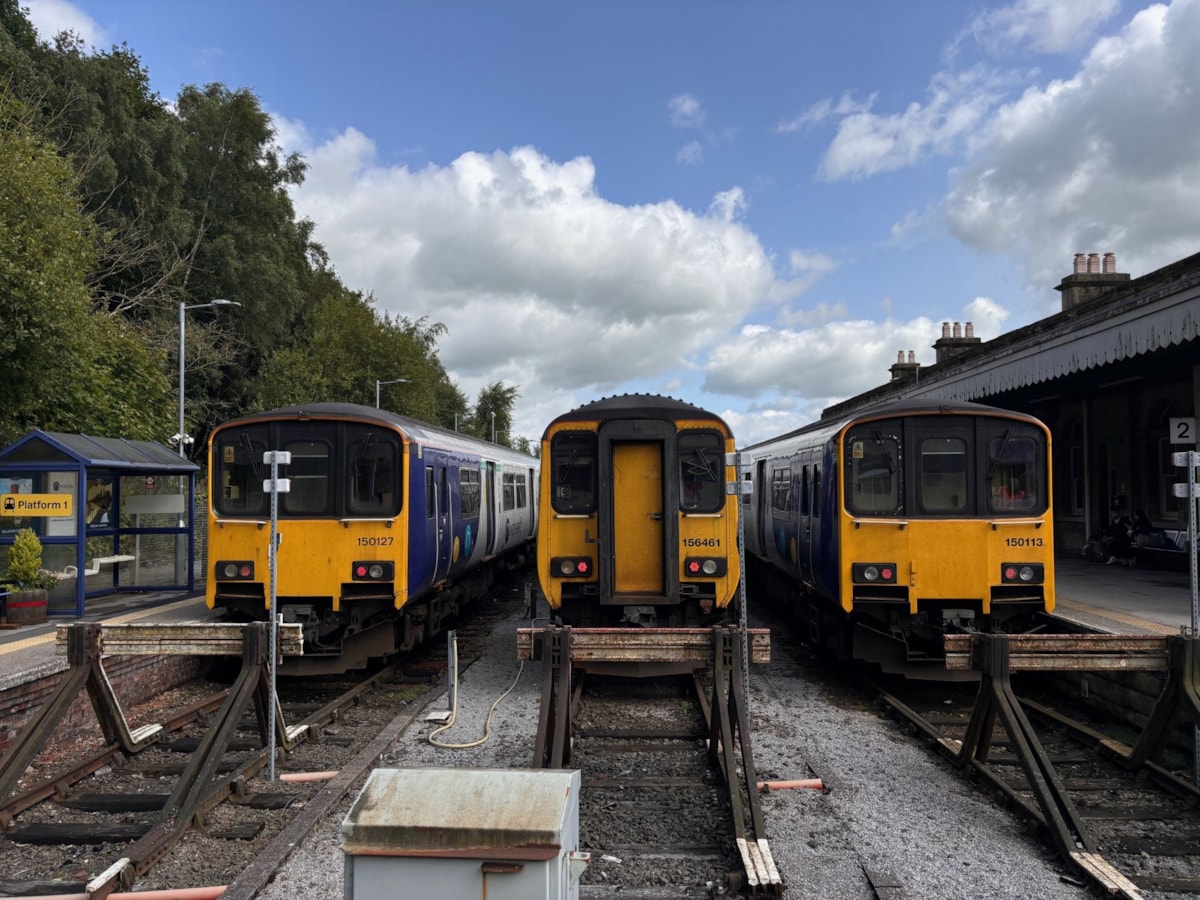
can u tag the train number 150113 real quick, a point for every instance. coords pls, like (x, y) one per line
(1023, 542)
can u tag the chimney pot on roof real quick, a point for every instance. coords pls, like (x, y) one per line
(1093, 265)
(1080, 263)
(912, 356)
(957, 330)
(970, 330)
(1110, 263)
(900, 357)
(945, 329)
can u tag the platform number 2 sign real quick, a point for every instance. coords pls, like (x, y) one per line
(1183, 431)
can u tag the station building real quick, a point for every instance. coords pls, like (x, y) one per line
(1115, 375)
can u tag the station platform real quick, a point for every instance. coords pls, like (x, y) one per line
(1112, 599)
(1121, 600)
(29, 652)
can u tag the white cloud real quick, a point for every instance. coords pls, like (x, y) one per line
(1046, 26)
(1105, 160)
(50, 17)
(540, 280)
(822, 110)
(867, 143)
(690, 154)
(686, 111)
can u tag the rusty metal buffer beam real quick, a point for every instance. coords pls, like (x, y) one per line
(184, 639)
(666, 645)
(1065, 652)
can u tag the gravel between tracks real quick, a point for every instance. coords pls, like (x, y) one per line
(892, 808)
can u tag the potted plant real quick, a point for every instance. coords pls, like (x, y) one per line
(26, 603)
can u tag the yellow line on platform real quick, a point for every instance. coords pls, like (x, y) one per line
(50, 636)
(1093, 612)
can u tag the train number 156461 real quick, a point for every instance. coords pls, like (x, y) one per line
(1023, 542)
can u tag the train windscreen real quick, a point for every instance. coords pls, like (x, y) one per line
(336, 470)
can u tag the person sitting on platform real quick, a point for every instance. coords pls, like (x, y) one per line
(1117, 540)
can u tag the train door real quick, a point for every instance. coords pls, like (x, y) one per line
(490, 504)
(637, 518)
(804, 534)
(445, 529)
(763, 509)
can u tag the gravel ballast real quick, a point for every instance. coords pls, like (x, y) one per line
(891, 807)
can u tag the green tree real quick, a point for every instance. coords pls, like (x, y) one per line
(61, 367)
(496, 400)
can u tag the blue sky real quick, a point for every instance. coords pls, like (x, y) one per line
(750, 206)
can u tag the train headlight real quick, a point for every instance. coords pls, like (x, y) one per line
(371, 570)
(709, 566)
(571, 566)
(234, 570)
(873, 573)
(1022, 573)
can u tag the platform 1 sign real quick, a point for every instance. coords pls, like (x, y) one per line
(36, 504)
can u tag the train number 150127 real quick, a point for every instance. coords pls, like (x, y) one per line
(375, 541)
(1023, 542)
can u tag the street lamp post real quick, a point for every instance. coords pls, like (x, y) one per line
(184, 548)
(379, 383)
(493, 428)
(182, 436)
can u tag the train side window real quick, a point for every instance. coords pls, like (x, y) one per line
(701, 471)
(805, 502)
(873, 480)
(943, 483)
(238, 456)
(573, 472)
(309, 474)
(1013, 481)
(430, 496)
(781, 491)
(816, 492)
(510, 491)
(373, 460)
(522, 491)
(468, 492)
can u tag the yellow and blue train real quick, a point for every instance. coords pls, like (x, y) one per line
(636, 528)
(389, 528)
(887, 529)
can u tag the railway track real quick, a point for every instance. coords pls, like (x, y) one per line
(669, 803)
(1129, 824)
(191, 804)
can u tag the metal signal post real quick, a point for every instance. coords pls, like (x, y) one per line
(275, 486)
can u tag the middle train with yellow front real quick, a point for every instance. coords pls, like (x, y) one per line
(636, 526)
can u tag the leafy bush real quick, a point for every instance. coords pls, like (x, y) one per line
(25, 563)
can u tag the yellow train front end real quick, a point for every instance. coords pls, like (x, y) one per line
(636, 526)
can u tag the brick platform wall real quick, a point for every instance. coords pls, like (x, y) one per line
(134, 679)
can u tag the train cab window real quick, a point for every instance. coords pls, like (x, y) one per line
(374, 466)
(943, 482)
(701, 471)
(1013, 464)
(872, 477)
(573, 472)
(237, 457)
(468, 492)
(309, 474)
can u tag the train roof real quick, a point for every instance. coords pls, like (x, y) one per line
(414, 429)
(636, 406)
(902, 407)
